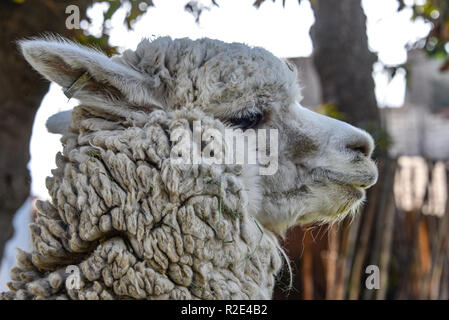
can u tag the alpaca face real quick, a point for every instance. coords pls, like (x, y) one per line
(324, 169)
(324, 165)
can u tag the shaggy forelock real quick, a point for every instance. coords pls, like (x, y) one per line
(214, 75)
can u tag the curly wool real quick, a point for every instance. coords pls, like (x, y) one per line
(138, 225)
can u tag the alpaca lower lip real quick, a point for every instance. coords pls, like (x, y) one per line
(356, 192)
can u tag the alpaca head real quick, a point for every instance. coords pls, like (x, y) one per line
(323, 165)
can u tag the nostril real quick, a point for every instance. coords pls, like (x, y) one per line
(360, 147)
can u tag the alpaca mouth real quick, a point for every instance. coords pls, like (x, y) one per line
(352, 191)
(353, 184)
(355, 192)
(358, 180)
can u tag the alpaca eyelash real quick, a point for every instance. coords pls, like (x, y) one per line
(247, 121)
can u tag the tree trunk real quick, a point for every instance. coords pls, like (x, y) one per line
(21, 92)
(343, 60)
(344, 65)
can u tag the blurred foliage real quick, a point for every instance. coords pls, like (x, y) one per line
(331, 110)
(135, 8)
(437, 13)
(196, 8)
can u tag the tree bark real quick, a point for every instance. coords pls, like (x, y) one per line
(21, 91)
(343, 60)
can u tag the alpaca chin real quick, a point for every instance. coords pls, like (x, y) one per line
(332, 204)
(319, 204)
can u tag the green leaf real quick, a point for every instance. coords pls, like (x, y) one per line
(330, 110)
(114, 5)
(136, 11)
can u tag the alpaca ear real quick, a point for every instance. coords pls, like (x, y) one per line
(87, 74)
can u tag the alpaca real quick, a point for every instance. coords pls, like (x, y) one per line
(134, 224)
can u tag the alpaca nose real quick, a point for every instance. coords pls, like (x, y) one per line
(362, 144)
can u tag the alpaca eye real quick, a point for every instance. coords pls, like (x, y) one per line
(247, 121)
